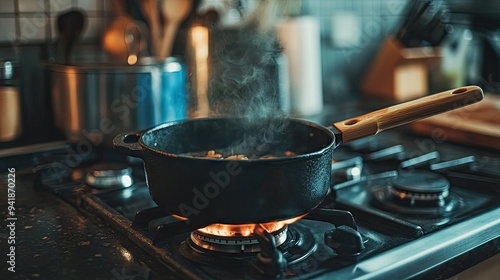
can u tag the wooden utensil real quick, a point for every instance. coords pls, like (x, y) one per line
(174, 12)
(69, 25)
(407, 112)
(125, 39)
(150, 12)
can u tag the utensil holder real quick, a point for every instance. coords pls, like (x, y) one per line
(399, 73)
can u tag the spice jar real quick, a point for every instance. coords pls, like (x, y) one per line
(10, 103)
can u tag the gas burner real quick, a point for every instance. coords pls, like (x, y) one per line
(234, 243)
(106, 175)
(421, 192)
(240, 238)
(421, 189)
(295, 242)
(346, 169)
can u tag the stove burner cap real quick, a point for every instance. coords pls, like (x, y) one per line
(106, 175)
(421, 188)
(422, 182)
(234, 244)
(295, 241)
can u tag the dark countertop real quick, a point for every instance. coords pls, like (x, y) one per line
(55, 241)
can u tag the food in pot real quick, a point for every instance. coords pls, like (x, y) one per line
(216, 155)
(213, 154)
(237, 157)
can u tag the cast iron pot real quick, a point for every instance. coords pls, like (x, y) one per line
(208, 191)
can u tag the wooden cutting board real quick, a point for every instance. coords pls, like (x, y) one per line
(477, 124)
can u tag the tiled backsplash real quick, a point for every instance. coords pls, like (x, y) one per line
(360, 27)
(351, 31)
(35, 21)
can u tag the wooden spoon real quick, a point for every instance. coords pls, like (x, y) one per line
(69, 25)
(150, 11)
(174, 12)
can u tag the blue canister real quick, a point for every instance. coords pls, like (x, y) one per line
(174, 88)
(164, 94)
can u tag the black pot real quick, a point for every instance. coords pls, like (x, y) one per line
(209, 191)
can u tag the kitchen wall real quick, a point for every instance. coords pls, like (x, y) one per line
(34, 21)
(28, 32)
(351, 32)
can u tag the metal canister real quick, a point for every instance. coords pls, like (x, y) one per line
(96, 101)
(10, 103)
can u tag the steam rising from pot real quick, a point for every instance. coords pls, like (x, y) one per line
(245, 84)
(244, 74)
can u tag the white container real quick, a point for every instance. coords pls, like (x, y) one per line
(300, 38)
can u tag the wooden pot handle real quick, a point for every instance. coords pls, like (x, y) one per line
(393, 116)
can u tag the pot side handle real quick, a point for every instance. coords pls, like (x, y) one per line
(393, 116)
(128, 143)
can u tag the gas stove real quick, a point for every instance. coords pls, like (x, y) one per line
(398, 207)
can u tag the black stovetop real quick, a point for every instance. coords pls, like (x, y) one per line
(404, 242)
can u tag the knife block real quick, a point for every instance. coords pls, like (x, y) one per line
(399, 73)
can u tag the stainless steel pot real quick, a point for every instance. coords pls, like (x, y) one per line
(95, 101)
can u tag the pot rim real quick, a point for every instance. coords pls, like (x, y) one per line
(317, 153)
(145, 64)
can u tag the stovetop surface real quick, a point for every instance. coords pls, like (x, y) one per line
(396, 246)
(321, 260)
(383, 158)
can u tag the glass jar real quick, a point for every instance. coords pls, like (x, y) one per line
(10, 102)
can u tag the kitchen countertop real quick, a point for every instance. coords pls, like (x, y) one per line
(55, 241)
